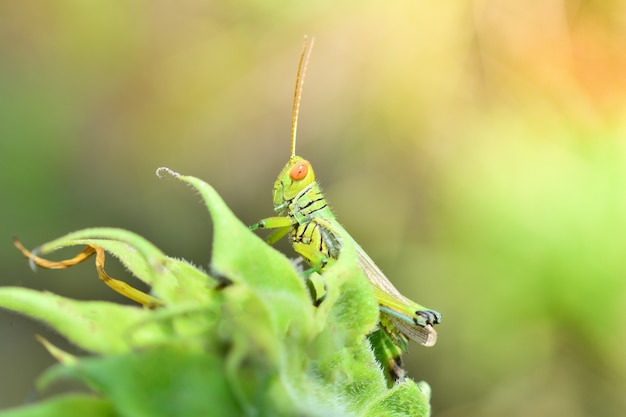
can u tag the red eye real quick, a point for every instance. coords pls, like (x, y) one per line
(299, 171)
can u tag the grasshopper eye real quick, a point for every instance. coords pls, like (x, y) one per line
(299, 171)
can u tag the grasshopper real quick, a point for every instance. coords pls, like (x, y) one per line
(317, 237)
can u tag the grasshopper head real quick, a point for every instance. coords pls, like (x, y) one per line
(295, 176)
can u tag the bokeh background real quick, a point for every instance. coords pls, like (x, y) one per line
(475, 149)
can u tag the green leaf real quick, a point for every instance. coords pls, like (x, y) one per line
(163, 381)
(172, 280)
(95, 326)
(253, 348)
(233, 244)
(65, 406)
(406, 399)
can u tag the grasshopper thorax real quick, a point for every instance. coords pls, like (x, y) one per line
(294, 177)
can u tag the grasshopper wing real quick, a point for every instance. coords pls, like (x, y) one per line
(409, 318)
(406, 319)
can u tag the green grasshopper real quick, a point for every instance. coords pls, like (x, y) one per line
(317, 237)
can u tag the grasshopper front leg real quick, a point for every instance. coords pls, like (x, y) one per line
(281, 225)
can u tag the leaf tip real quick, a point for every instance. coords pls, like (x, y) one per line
(31, 255)
(162, 171)
(58, 354)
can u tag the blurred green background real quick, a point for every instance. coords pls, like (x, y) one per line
(475, 149)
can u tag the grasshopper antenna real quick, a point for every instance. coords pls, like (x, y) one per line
(304, 62)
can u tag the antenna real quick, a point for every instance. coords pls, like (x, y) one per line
(297, 95)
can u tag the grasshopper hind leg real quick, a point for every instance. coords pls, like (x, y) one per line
(388, 355)
(317, 289)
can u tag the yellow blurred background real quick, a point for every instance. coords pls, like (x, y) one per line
(475, 149)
